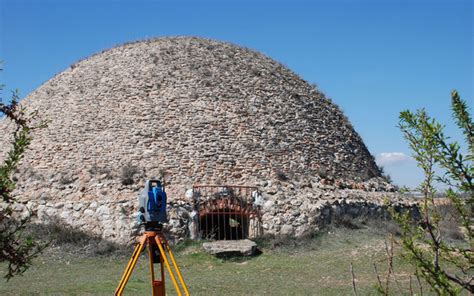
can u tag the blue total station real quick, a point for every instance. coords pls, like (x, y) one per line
(154, 202)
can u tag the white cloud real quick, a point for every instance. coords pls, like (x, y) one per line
(391, 158)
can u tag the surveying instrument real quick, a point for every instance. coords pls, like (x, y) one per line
(152, 213)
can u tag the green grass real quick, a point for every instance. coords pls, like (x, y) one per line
(316, 266)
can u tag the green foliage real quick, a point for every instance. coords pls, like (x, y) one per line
(312, 266)
(446, 267)
(385, 176)
(16, 248)
(127, 174)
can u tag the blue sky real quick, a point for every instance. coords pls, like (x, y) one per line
(373, 58)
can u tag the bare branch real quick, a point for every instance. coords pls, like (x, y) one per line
(353, 280)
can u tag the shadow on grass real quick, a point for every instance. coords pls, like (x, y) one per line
(237, 257)
(313, 240)
(64, 239)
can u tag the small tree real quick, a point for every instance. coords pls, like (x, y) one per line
(16, 248)
(447, 267)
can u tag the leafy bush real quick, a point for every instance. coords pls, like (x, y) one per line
(446, 267)
(72, 240)
(16, 248)
(281, 176)
(127, 174)
(322, 172)
(95, 170)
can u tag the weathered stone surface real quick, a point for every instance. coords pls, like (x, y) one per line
(203, 112)
(286, 230)
(224, 248)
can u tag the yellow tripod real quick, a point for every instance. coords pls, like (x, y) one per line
(155, 241)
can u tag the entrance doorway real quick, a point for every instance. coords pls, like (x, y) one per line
(227, 212)
(225, 224)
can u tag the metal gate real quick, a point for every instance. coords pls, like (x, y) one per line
(227, 212)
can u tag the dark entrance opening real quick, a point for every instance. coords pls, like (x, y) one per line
(225, 224)
(227, 212)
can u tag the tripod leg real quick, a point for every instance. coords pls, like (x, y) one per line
(165, 259)
(150, 258)
(162, 269)
(157, 287)
(176, 267)
(130, 266)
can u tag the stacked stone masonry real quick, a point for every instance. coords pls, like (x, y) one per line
(196, 111)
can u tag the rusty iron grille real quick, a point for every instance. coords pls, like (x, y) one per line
(227, 212)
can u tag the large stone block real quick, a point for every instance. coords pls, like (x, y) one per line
(223, 248)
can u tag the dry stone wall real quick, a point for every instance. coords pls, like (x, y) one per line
(288, 208)
(196, 111)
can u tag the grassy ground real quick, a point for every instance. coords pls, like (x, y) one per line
(315, 266)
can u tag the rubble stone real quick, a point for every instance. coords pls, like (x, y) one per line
(223, 248)
(197, 111)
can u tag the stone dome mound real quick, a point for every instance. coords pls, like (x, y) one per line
(196, 110)
(203, 111)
